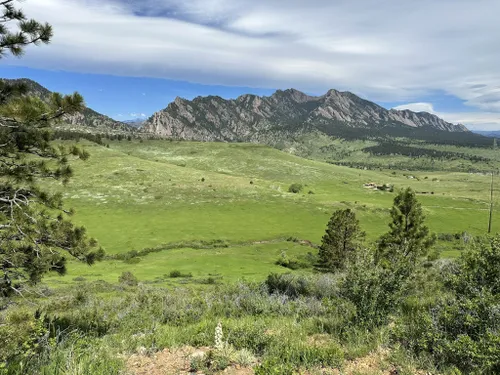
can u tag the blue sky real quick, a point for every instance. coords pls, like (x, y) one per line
(131, 58)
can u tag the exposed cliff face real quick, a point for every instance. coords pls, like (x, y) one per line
(86, 119)
(290, 112)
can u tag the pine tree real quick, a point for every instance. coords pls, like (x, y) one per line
(28, 31)
(408, 237)
(342, 238)
(35, 232)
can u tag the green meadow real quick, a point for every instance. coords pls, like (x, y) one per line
(151, 193)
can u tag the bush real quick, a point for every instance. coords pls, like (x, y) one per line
(128, 278)
(210, 363)
(246, 334)
(176, 274)
(374, 290)
(209, 280)
(293, 263)
(461, 329)
(295, 286)
(295, 188)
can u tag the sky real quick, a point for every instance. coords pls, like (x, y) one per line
(131, 58)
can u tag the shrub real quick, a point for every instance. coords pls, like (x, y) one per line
(176, 274)
(248, 335)
(292, 263)
(462, 329)
(128, 278)
(210, 363)
(295, 188)
(374, 290)
(244, 357)
(294, 286)
(209, 280)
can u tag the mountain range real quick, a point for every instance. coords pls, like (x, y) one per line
(285, 115)
(252, 118)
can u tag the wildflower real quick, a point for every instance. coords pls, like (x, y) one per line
(218, 336)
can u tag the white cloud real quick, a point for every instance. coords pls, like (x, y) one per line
(137, 115)
(417, 107)
(388, 51)
(473, 120)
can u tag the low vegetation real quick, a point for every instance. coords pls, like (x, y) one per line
(208, 273)
(435, 315)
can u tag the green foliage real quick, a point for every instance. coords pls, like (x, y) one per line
(15, 39)
(294, 286)
(478, 269)
(375, 291)
(34, 230)
(408, 238)
(128, 278)
(462, 328)
(291, 354)
(295, 188)
(24, 335)
(212, 362)
(341, 240)
(249, 335)
(78, 355)
(177, 274)
(295, 263)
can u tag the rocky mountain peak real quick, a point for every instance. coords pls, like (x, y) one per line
(286, 113)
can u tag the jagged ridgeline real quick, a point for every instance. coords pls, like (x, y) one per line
(282, 117)
(291, 113)
(87, 120)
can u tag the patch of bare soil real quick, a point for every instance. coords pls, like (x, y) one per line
(174, 362)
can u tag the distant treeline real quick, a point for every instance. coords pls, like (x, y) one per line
(396, 148)
(98, 138)
(427, 134)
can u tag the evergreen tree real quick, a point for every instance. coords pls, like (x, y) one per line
(13, 39)
(35, 233)
(408, 237)
(342, 238)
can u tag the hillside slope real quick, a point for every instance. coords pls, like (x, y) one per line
(88, 119)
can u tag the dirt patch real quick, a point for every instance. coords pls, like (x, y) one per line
(174, 362)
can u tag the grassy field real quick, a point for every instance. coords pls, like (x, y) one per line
(193, 234)
(135, 194)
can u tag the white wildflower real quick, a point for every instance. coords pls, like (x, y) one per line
(218, 337)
